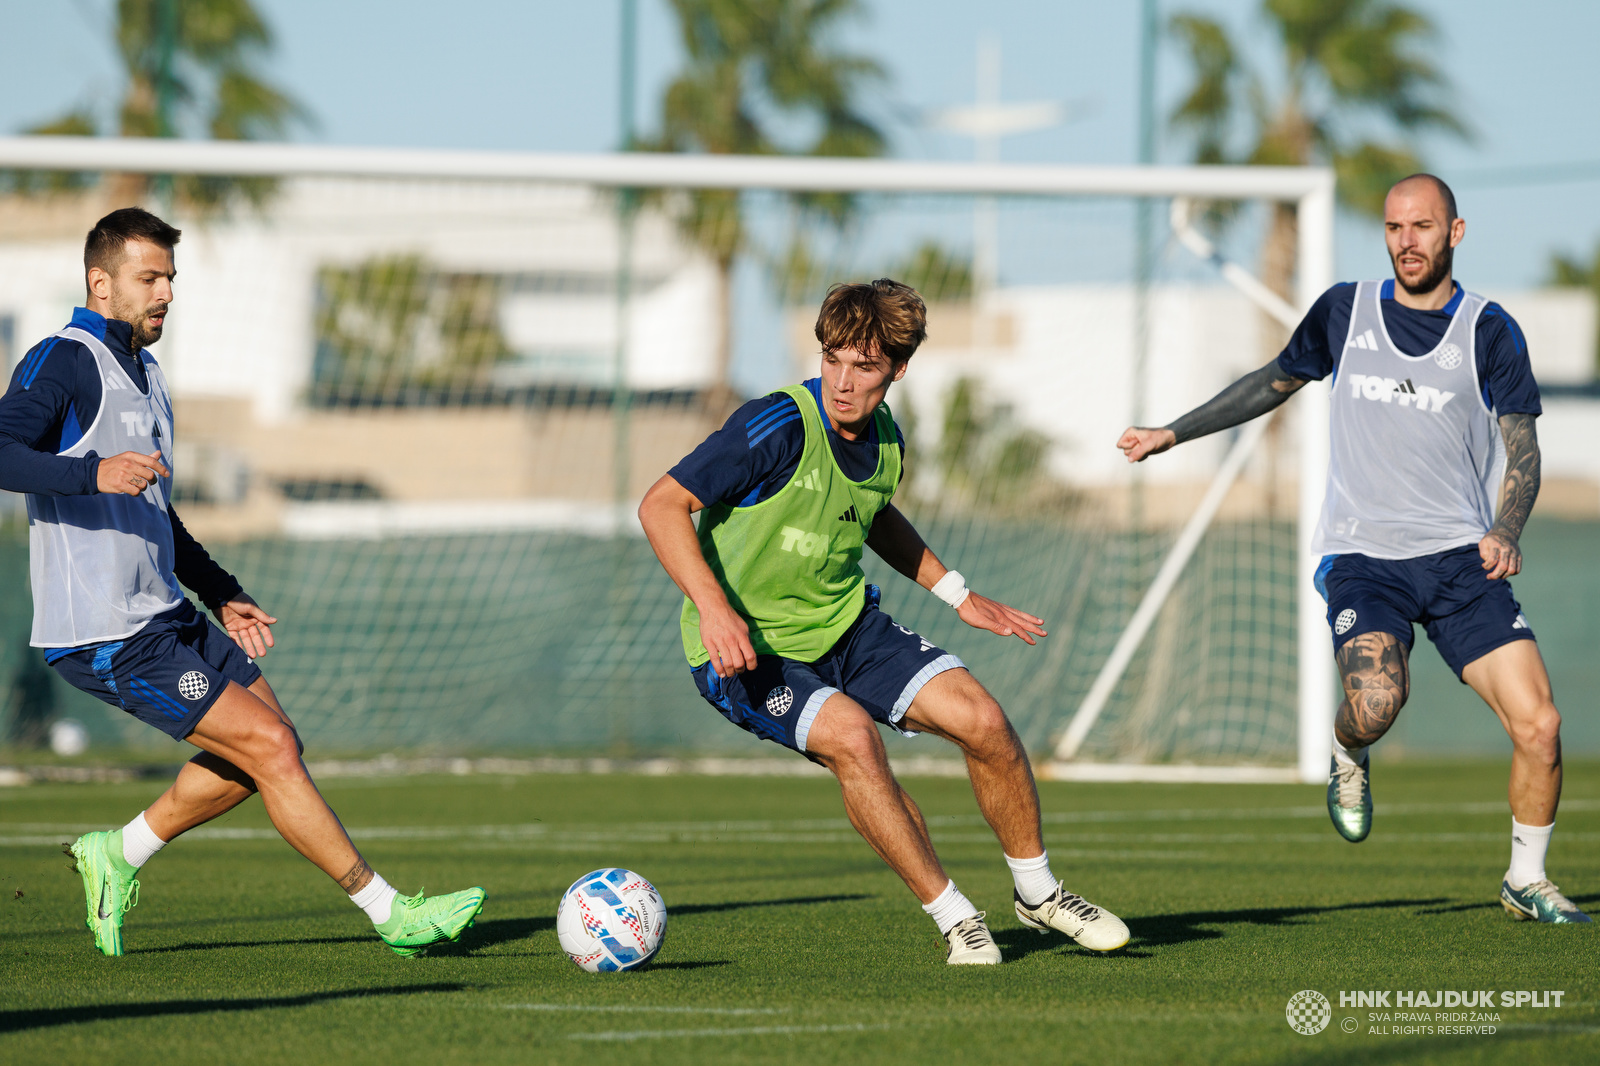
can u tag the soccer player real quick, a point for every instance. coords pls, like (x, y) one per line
(86, 433)
(786, 639)
(1433, 420)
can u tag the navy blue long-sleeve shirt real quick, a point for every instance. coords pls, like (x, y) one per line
(54, 391)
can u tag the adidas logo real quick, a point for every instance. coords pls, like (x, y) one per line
(812, 481)
(850, 515)
(1520, 623)
(1364, 340)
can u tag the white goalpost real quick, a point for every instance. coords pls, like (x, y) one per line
(574, 327)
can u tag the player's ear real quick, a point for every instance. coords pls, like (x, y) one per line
(1458, 230)
(98, 282)
(899, 370)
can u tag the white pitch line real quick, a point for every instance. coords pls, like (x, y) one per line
(760, 1030)
(599, 1008)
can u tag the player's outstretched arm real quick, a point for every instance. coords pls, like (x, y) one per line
(666, 515)
(1250, 397)
(897, 542)
(1502, 556)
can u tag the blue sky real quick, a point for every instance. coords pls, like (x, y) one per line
(539, 75)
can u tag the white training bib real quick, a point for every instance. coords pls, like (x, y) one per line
(1417, 457)
(101, 565)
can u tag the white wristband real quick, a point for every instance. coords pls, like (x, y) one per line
(952, 588)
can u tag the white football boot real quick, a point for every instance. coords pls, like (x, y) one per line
(1093, 927)
(971, 943)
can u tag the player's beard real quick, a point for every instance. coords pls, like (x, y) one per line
(1438, 269)
(144, 334)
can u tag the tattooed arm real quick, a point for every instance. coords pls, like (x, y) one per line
(1251, 396)
(1501, 555)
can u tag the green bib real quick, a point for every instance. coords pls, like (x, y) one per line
(791, 564)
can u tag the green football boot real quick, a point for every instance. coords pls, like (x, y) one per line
(418, 921)
(109, 887)
(1350, 798)
(1539, 902)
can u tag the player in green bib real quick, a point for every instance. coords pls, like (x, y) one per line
(785, 637)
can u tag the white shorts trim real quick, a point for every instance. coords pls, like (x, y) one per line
(914, 686)
(808, 714)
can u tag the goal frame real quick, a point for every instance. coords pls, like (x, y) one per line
(1309, 189)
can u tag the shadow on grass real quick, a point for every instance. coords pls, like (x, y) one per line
(16, 1021)
(1495, 904)
(689, 965)
(213, 945)
(488, 934)
(1162, 929)
(739, 905)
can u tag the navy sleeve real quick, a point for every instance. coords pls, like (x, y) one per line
(753, 455)
(46, 397)
(1313, 352)
(1504, 370)
(193, 566)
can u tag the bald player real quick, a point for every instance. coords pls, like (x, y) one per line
(1433, 472)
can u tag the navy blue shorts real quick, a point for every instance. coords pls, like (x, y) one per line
(1465, 614)
(167, 675)
(878, 663)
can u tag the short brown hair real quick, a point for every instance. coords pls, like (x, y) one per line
(883, 316)
(108, 241)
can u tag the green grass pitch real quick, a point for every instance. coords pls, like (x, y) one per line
(788, 941)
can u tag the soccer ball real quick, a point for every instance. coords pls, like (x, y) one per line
(611, 920)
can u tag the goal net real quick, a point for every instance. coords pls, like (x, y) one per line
(419, 396)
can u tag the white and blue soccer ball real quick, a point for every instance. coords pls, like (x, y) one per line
(611, 920)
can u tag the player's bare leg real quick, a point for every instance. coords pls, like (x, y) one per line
(955, 706)
(208, 786)
(1512, 680)
(1514, 683)
(245, 731)
(1376, 674)
(846, 740)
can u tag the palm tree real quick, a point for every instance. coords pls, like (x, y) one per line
(757, 70)
(1569, 272)
(191, 67)
(1353, 75)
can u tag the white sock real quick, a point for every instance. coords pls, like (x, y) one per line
(376, 899)
(1528, 845)
(1352, 756)
(950, 909)
(139, 842)
(1035, 883)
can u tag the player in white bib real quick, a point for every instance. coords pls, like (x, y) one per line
(1433, 472)
(86, 432)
